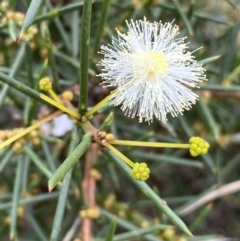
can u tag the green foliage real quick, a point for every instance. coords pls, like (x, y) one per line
(94, 195)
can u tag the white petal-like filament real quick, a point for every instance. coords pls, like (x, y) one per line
(151, 70)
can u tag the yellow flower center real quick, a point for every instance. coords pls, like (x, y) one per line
(150, 64)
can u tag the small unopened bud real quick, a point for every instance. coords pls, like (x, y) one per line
(4, 5)
(43, 52)
(103, 134)
(93, 212)
(2, 135)
(33, 134)
(110, 200)
(90, 213)
(84, 119)
(68, 95)
(140, 171)
(8, 134)
(122, 214)
(95, 174)
(7, 220)
(145, 224)
(36, 141)
(11, 15)
(83, 214)
(180, 239)
(168, 233)
(110, 137)
(99, 133)
(4, 21)
(17, 147)
(33, 45)
(33, 30)
(198, 146)
(19, 16)
(45, 84)
(20, 212)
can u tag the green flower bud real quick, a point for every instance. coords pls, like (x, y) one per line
(140, 171)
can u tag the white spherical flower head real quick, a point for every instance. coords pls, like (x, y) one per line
(151, 71)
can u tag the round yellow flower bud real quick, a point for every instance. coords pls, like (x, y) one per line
(36, 141)
(95, 174)
(2, 135)
(110, 200)
(83, 214)
(110, 137)
(198, 146)
(33, 134)
(4, 21)
(140, 171)
(7, 220)
(19, 16)
(43, 52)
(33, 30)
(168, 233)
(11, 15)
(68, 95)
(20, 212)
(181, 239)
(4, 5)
(45, 84)
(103, 134)
(17, 147)
(93, 212)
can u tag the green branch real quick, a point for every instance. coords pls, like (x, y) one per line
(84, 46)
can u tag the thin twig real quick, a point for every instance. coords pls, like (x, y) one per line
(221, 191)
(89, 188)
(72, 230)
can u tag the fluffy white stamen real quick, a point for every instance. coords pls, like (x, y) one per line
(151, 71)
